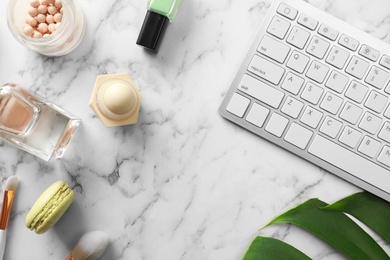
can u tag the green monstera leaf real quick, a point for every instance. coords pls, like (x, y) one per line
(333, 226)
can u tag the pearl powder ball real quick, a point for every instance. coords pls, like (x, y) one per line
(42, 9)
(42, 28)
(50, 18)
(58, 3)
(31, 21)
(34, 3)
(37, 34)
(44, 2)
(57, 25)
(28, 30)
(52, 9)
(57, 17)
(32, 11)
(41, 18)
(51, 28)
(50, 2)
(46, 35)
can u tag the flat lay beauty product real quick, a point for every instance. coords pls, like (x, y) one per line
(116, 100)
(158, 14)
(34, 125)
(48, 27)
(49, 207)
(6, 207)
(90, 246)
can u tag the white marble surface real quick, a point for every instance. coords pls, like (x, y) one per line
(183, 183)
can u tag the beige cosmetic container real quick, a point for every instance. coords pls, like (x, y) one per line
(116, 100)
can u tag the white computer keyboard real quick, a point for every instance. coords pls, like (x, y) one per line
(319, 88)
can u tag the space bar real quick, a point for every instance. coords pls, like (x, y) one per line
(351, 163)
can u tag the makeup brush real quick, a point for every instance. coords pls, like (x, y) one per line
(8, 198)
(90, 246)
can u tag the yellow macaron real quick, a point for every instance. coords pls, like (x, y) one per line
(49, 207)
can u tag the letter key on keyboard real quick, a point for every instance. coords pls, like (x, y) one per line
(318, 88)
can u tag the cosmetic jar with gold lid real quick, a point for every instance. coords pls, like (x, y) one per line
(65, 39)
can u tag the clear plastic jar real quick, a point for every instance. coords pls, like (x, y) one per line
(64, 40)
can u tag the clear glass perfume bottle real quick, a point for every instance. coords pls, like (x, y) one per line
(34, 125)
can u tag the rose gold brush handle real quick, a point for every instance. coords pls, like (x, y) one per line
(6, 208)
(70, 257)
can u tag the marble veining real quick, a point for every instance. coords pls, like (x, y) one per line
(182, 183)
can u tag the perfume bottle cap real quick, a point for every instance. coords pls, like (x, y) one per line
(152, 30)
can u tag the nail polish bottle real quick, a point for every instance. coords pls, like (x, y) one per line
(34, 125)
(116, 100)
(159, 12)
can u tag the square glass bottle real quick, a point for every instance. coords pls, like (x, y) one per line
(34, 125)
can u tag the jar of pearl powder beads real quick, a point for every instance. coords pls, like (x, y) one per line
(48, 27)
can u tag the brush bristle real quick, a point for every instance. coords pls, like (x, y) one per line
(12, 183)
(90, 246)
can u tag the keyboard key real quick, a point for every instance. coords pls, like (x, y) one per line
(278, 27)
(317, 71)
(384, 156)
(384, 134)
(312, 93)
(257, 115)
(351, 113)
(298, 135)
(356, 91)
(266, 69)
(385, 61)
(328, 32)
(238, 105)
(261, 91)
(298, 37)
(350, 162)
(307, 21)
(298, 61)
(331, 103)
(337, 81)
(311, 117)
(369, 146)
(337, 57)
(387, 112)
(292, 83)
(331, 127)
(350, 137)
(376, 101)
(357, 67)
(349, 42)
(370, 123)
(276, 125)
(377, 77)
(369, 53)
(292, 107)
(287, 11)
(273, 49)
(317, 47)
